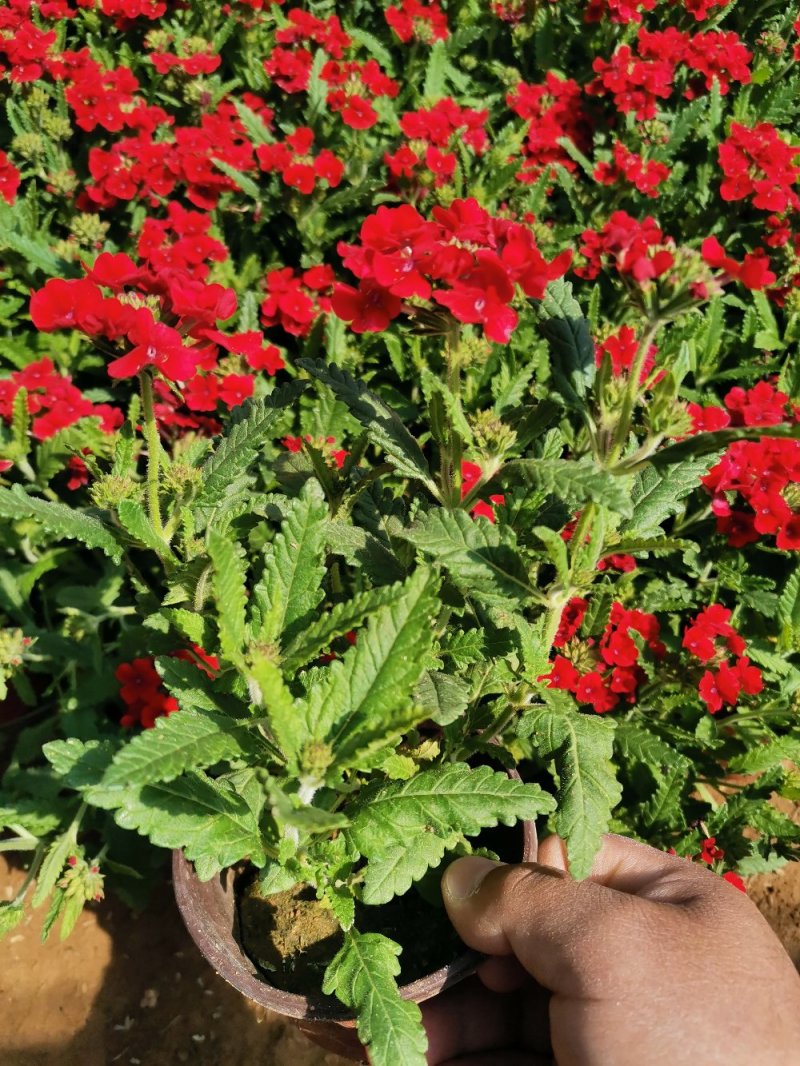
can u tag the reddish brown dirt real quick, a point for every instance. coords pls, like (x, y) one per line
(135, 991)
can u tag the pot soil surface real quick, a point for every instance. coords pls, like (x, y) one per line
(128, 991)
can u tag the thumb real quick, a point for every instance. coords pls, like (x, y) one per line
(564, 932)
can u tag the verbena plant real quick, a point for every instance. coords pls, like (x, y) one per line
(364, 434)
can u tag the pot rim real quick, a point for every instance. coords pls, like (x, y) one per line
(202, 907)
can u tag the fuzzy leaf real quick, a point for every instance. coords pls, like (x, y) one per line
(189, 740)
(287, 722)
(363, 975)
(443, 697)
(383, 425)
(136, 521)
(574, 481)
(367, 699)
(294, 568)
(214, 825)
(656, 495)
(230, 572)
(335, 622)
(582, 747)
(60, 520)
(571, 345)
(50, 870)
(479, 558)
(227, 464)
(394, 826)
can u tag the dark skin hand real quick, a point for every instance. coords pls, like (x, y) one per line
(652, 961)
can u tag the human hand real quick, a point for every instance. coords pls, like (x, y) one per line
(650, 961)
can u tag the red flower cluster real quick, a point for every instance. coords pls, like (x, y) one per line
(757, 162)
(415, 21)
(54, 403)
(293, 160)
(181, 242)
(637, 78)
(180, 342)
(431, 130)
(471, 474)
(192, 64)
(645, 175)
(711, 638)
(753, 272)
(143, 693)
(553, 111)
(482, 259)
(294, 303)
(355, 87)
(9, 179)
(637, 249)
(24, 46)
(621, 348)
(290, 67)
(614, 670)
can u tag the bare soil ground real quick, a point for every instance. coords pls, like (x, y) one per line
(135, 991)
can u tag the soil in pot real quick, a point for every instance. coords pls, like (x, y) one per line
(291, 937)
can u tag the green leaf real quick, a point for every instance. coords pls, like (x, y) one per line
(34, 252)
(582, 747)
(571, 345)
(230, 590)
(363, 975)
(225, 467)
(444, 698)
(366, 699)
(398, 827)
(188, 740)
(574, 481)
(656, 495)
(60, 520)
(384, 426)
(11, 914)
(288, 724)
(213, 824)
(556, 550)
(242, 181)
(480, 558)
(436, 72)
(50, 870)
(136, 521)
(294, 567)
(341, 618)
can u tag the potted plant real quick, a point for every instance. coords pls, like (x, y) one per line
(362, 441)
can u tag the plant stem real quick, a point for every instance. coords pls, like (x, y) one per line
(623, 426)
(153, 451)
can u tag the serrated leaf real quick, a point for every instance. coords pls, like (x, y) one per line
(575, 481)
(136, 521)
(232, 457)
(582, 747)
(60, 520)
(436, 72)
(294, 567)
(193, 625)
(50, 870)
(188, 740)
(288, 723)
(656, 495)
(240, 180)
(480, 558)
(214, 825)
(11, 914)
(367, 696)
(447, 803)
(230, 591)
(363, 975)
(340, 619)
(384, 426)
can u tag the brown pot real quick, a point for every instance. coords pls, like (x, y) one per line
(208, 909)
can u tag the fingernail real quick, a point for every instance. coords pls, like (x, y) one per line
(464, 877)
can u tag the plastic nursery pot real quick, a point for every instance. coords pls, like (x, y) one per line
(209, 912)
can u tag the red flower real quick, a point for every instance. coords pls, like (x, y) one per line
(155, 345)
(369, 308)
(9, 179)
